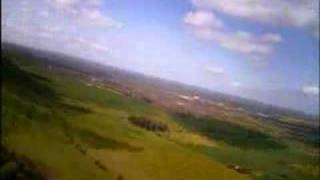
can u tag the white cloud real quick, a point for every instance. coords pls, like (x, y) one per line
(99, 47)
(203, 19)
(297, 13)
(235, 84)
(65, 3)
(89, 44)
(44, 13)
(221, 78)
(257, 47)
(94, 3)
(311, 90)
(50, 28)
(95, 16)
(215, 70)
(45, 35)
(205, 25)
(88, 12)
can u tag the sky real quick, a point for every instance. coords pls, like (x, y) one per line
(266, 50)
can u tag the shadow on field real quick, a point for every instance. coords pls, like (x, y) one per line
(27, 92)
(13, 166)
(26, 85)
(97, 141)
(231, 134)
(73, 109)
(148, 124)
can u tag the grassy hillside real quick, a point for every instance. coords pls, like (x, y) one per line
(57, 127)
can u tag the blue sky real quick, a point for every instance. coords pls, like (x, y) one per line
(261, 49)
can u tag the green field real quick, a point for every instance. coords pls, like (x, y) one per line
(65, 129)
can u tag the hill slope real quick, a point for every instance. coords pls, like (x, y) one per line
(59, 128)
(58, 123)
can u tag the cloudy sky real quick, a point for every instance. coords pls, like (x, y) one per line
(262, 49)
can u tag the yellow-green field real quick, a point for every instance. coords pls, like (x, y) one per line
(72, 131)
(69, 130)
